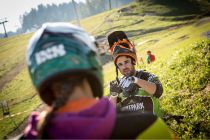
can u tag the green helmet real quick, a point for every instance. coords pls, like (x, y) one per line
(59, 50)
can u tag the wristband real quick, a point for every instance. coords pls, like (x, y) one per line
(114, 94)
(135, 80)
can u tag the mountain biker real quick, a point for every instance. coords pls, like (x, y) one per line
(137, 89)
(63, 65)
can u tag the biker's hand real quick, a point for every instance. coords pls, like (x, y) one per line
(114, 88)
(127, 81)
(131, 88)
(129, 85)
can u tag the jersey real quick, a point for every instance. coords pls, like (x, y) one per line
(140, 100)
(152, 58)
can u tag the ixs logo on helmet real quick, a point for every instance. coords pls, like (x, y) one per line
(50, 53)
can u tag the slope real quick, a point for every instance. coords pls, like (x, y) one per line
(162, 30)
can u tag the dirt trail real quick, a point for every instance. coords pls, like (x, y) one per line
(105, 20)
(203, 21)
(11, 74)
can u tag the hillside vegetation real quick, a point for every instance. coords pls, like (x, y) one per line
(178, 36)
(186, 83)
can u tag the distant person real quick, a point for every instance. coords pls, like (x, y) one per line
(150, 57)
(64, 67)
(136, 90)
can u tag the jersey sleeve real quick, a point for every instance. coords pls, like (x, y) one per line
(151, 78)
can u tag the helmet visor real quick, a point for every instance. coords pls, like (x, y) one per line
(124, 44)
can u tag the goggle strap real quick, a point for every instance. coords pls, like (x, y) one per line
(117, 79)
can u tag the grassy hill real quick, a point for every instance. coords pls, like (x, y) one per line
(178, 36)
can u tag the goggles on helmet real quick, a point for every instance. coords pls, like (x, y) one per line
(123, 48)
(124, 44)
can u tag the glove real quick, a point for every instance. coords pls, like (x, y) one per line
(127, 81)
(114, 88)
(129, 86)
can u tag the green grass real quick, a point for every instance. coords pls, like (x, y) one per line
(18, 89)
(10, 124)
(7, 125)
(148, 23)
(12, 52)
(20, 95)
(185, 77)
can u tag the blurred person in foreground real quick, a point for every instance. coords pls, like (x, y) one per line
(63, 64)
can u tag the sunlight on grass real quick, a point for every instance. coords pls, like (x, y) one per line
(12, 52)
(19, 88)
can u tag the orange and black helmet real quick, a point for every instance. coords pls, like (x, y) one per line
(121, 46)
